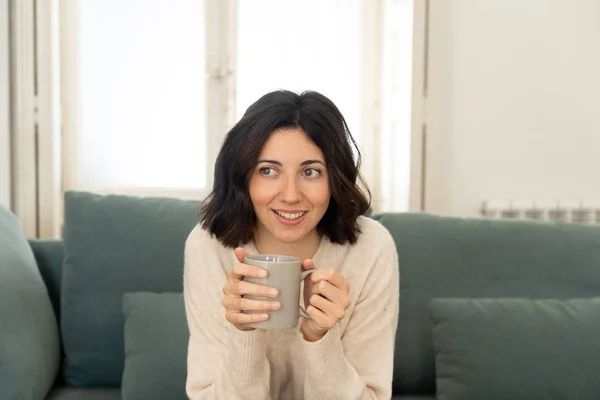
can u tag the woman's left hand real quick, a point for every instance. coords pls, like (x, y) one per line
(326, 300)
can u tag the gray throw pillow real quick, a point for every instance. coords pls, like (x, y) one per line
(114, 245)
(29, 341)
(516, 348)
(156, 340)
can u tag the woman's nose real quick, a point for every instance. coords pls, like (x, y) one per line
(291, 192)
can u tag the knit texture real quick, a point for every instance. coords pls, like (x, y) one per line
(352, 361)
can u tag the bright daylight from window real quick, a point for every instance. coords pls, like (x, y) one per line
(142, 85)
(141, 96)
(322, 54)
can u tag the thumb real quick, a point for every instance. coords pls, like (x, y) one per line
(308, 264)
(240, 254)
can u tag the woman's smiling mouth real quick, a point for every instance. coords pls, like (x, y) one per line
(289, 217)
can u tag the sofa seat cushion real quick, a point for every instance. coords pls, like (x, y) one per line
(29, 339)
(410, 397)
(113, 245)
(517, 349)
(68, 393)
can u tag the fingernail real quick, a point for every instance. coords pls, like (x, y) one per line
(262, 273)
(273, 292)
(275, 305)
(264, 316)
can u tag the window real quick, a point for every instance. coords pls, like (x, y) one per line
(158, 83)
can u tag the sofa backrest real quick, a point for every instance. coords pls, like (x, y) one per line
(448, 257)
(114, 245)
(452, 257)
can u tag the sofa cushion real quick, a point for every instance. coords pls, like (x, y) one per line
(516, 348)
(29, 340)
(113, 245)
(416, 397)
(453, 257)
(156, 340)
(69, 393)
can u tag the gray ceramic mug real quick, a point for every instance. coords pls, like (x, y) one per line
(284, 274)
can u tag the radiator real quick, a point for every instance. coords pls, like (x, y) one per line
(578, 212)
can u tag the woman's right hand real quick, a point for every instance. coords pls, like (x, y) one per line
(236, 287)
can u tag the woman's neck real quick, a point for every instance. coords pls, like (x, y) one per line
(266, 243)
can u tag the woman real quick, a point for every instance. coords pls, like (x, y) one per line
(286, 183)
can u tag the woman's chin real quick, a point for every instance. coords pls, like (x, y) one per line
(290, 237)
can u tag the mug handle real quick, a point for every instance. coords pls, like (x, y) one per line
(304, 274)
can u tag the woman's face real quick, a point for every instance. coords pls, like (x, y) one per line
(289, 187)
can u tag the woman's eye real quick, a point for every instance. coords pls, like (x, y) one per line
(267, 171)
(312, 173)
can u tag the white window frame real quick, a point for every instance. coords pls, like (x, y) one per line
(220, 42)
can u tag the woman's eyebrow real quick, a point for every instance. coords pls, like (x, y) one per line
(307, 162)
(303, 163)
(269, 162)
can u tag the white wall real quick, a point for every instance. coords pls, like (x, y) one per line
(513, 107)
(4, 107)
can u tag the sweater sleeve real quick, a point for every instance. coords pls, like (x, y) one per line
(223, 362)
(359, 365)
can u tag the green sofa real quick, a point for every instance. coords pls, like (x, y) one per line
(489, 309)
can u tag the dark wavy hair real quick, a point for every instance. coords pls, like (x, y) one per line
(228, 213)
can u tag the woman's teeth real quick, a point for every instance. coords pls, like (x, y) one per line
(289, 216)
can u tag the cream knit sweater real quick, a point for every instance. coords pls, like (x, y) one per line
(352, 361)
